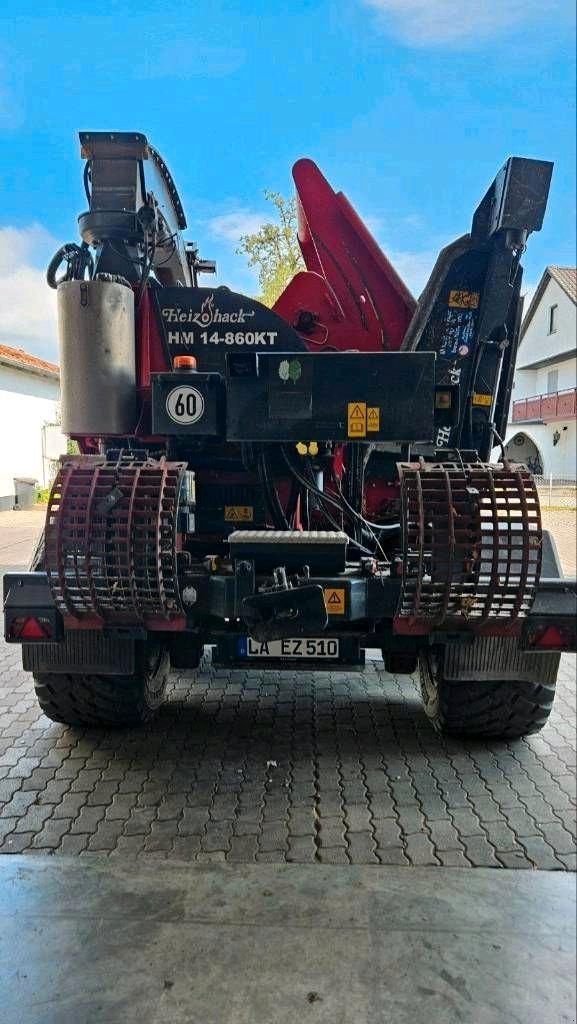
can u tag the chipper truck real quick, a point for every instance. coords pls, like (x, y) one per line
(289, 486)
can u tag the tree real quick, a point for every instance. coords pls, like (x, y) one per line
(274, 249)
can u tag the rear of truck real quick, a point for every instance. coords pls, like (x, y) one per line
(290, 487)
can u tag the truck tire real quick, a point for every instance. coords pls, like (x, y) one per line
(506, 708)
(103, 700)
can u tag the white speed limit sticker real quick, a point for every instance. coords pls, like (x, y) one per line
(185, 405)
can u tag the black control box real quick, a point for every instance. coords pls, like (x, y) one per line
(332, 396)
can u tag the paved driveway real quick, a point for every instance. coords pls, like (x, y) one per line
(249, 766)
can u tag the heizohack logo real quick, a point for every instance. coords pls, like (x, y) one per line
(207, 315)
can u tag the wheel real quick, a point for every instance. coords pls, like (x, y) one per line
(106, 700)
(505, 708)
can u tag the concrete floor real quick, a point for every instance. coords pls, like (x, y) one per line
(94, 941)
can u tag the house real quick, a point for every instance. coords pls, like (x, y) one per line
(29, 436)
(541, 429)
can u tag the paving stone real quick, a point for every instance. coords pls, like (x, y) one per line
(333, 855)
(514, 859)
(140, 821)
(85, 780)
(411, 821)
(453, 859)
(521, 823)
(33, 819)
(540, 853)
(73, 844)
(38, 779)
(7, 789)
(70, 805)
(19, 803)
(466, 823)
(480, 852)
(217, 837)
(444, 835)
(16, 842)
(501, 836)
(358, 818)
(301, 850)
(559, 839)
(362, 848)
(273, 838)
(386, 832)
(247, 826)
(53, 793)
(121, 806)
(102, 794)
(332, 832)
(271, 857)
(541, 811)
(51, 833)
(88, 820)
(392, 855)
(420, 850)
(183, 847)
(106, 836)
(242, 849)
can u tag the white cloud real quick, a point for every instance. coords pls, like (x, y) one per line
(27, 304)
(440, 22)
(230, 226)
(413, 267)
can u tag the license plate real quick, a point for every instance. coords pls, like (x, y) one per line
(299, 647)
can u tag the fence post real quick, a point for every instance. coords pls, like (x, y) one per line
(550, 490)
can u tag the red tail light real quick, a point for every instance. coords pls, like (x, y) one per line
(551, 637)
(30, 628)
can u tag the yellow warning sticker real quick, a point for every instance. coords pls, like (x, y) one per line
(460, 299)
(335, 600)
(238, 513)
(373, 419)
(482, 399)
(357, 419)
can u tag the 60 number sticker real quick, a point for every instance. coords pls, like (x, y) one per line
(185, 405)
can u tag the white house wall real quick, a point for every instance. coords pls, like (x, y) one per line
(558, 459)
(537, 343)
(27, 402)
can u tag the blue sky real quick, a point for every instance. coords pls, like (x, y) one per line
(408, 106)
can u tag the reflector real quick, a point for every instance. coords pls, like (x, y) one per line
(32, 629)
(552, 637)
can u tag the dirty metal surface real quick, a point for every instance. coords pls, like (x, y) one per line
(110, 539)
(277, 767)
(472, 546)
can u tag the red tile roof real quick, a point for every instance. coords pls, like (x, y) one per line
(567, 278)
(22, 360)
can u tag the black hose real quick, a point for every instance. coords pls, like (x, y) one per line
(87, 179)
(271, 497)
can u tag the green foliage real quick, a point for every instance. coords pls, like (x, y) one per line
(274, 249)
(42, 495)
(72, 447)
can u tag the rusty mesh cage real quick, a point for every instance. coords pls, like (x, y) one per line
(111, 538)
(471, 546)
